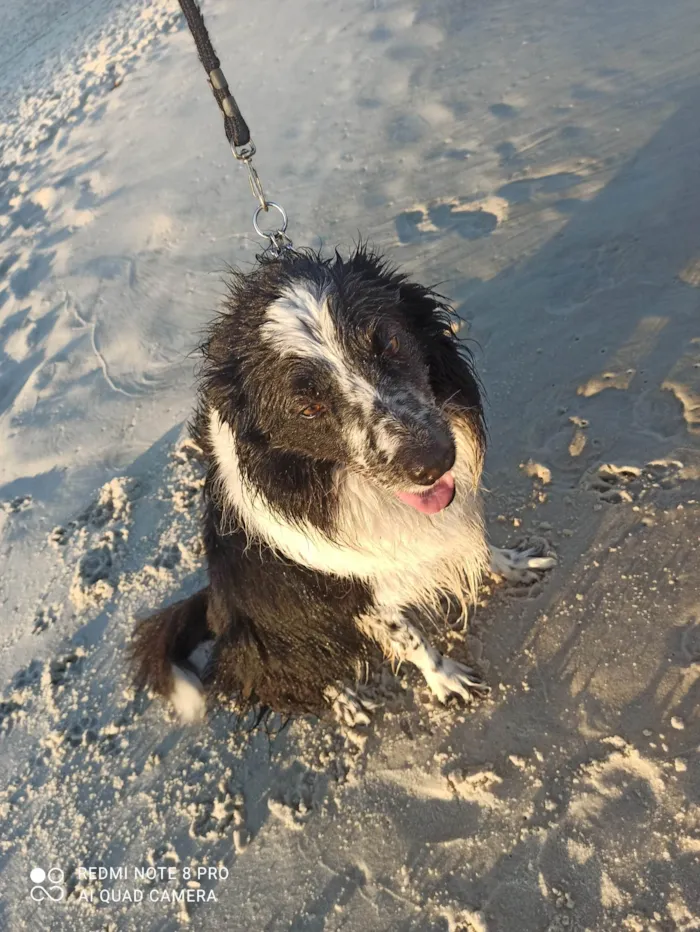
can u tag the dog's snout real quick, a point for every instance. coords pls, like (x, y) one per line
(427, 464)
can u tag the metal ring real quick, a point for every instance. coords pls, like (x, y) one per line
(270, 234)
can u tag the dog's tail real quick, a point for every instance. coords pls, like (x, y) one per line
(160, 652)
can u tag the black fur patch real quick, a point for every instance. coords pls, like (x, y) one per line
(284, 632)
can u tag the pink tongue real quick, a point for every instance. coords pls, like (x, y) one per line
(434, 499)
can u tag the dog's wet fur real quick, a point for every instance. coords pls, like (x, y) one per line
(334, 396)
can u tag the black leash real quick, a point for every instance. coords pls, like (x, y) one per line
(235, 126)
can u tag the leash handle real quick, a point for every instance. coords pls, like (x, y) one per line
(235, 126)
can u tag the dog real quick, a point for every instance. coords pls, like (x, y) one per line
(341, 423)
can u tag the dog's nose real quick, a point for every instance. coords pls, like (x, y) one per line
(426, 475)
(427, 467)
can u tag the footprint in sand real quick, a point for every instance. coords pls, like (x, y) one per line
(82, 730)
(220, 817)
(185, 486)
(503, 111)
(619, 484)
(469, 219)
(15, 505)
(25, 684)
(38, 678)
(66, 666)
(45, 618)
(659, 411)
(297, 802)
(169, 557)
(28, 677)
(96, 564)
(10, 709)
(96, 540)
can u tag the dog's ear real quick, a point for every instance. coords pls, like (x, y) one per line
(429, 317)
(450, 362)
(221, 380)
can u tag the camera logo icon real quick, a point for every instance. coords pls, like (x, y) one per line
(47, 885)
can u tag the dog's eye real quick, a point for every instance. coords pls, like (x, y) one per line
(313, 410)
(391, 347)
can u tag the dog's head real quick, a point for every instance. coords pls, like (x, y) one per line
(348, 364)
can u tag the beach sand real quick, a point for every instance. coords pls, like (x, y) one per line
(540, 160)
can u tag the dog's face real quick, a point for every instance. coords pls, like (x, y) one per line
(337, 363)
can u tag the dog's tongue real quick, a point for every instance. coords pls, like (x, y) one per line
(434, 499)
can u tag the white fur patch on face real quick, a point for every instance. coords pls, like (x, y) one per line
(300, 323)
(387, 440)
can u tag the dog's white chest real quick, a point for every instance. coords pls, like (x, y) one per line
(405, 556)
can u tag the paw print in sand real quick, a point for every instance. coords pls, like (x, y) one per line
(619, 484)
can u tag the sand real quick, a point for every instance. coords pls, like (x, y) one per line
(540, 161)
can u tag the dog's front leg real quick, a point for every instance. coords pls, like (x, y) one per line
(401, 642)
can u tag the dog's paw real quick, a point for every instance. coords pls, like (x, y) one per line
(450, 678)
(347, 707)
(522, 565)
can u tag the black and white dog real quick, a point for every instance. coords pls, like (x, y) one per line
(342, 427)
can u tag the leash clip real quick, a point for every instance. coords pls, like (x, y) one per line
(278, 239)
(245, 154)
(256, 185)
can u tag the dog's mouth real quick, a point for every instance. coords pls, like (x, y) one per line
(434, 499)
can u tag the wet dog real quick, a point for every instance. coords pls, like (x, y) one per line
(341, 424)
